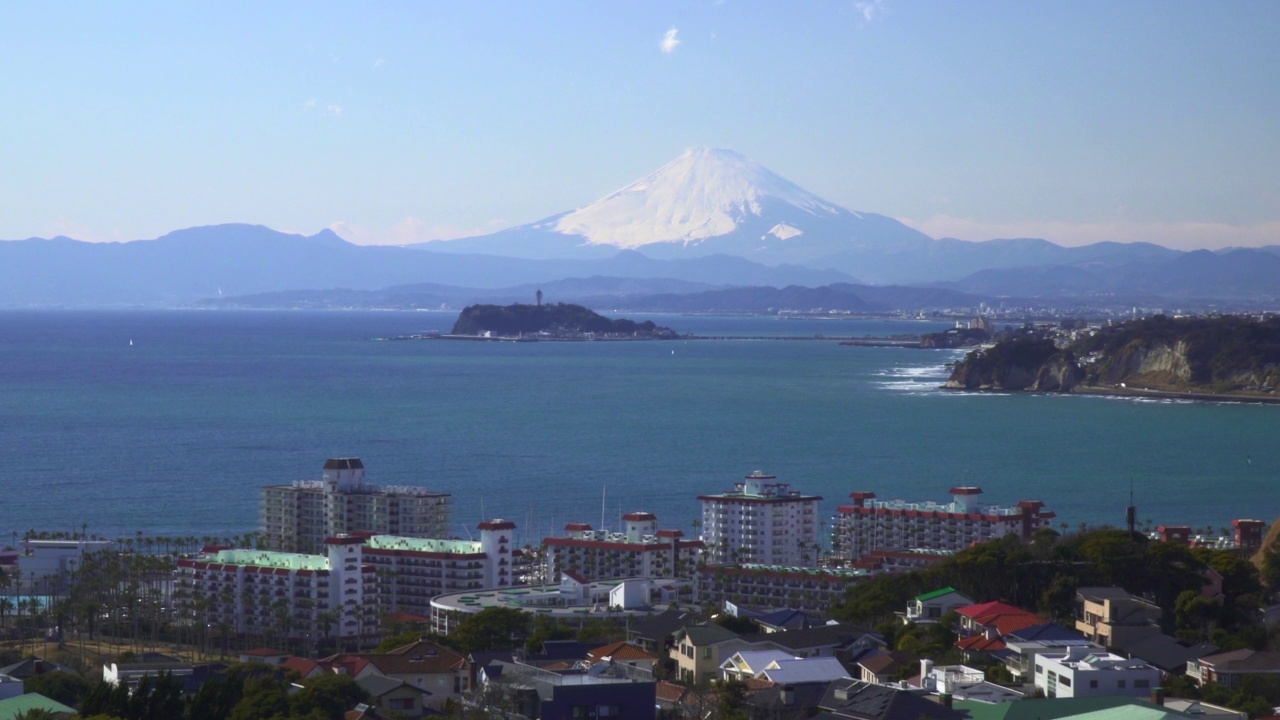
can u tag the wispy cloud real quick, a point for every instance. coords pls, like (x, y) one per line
(309, 105)
(869, 10)
(1178, 235)
(334, 110)
(669, 41)
(411, 230)
(379, 62)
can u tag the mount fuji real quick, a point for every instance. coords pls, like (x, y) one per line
(705, 202)
(718, 202)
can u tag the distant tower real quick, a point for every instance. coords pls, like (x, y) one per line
(1131, 513)
(539, 298)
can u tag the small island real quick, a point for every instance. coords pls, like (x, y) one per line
(560, 321)
(1201, 358)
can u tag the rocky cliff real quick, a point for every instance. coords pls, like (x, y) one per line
(1221, 356)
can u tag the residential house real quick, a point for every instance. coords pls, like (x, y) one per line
(931, 606)
(440, 671)
(887, 666)
(1112, 617)
(656, 633)
(624, 653)
(1230, 668)
(391, 695)
(827, 640)
(796, 671)
(700, 649)
(1082, 672)
(869, 701)
(749, 663)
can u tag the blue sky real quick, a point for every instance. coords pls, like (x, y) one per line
(399, 122)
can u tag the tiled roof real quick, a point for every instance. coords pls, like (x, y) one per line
(621, 651)
(980, 643)
(1244, 661)
(869, 701)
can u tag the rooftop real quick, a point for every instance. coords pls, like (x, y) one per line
(429, 545)
(265, 558)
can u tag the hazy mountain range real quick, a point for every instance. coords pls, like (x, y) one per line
(701, 227)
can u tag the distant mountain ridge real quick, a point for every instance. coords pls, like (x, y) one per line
(187, 266)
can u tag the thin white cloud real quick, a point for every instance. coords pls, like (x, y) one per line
(409, 231)
(669, 41)
(379, 62)
(309, 105)
(1178, 235)
(869, 9)
(334, 110)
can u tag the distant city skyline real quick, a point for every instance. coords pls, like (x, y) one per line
(406, 122)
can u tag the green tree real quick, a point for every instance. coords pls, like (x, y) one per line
(494, 628)
(66, 688)
(330, 694)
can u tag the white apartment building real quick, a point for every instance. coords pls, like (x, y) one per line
(412, 571)
(639, 550)
(869, 525)
(760, 521)
(298, 517)
(1087, 672)
(301, 597)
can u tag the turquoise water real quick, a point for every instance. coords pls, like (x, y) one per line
(174, 433)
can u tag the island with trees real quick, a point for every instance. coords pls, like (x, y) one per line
(560, 321)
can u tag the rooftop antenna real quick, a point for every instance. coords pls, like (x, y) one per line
(1131, 514)
(603, 488)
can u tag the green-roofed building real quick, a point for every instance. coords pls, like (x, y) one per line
(1087, 708)
(931, 606)
(11, 708)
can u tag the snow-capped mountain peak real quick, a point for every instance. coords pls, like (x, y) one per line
(703, 193)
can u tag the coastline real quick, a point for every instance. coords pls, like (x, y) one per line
(1128, 392)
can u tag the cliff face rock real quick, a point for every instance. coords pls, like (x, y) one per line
(1059, 373)
(1021, 364)
(1166, 362)
(1216, 356)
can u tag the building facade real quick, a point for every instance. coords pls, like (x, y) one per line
(414, 570)
(640, 550)
(760, 521)
(1082, 672)
(300, 597)
(774, 586)
(298, 517)
(869, 525)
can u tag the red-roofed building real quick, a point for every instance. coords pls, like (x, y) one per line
(623, 653)
(639, 550)
(868, 525)
(994, 617)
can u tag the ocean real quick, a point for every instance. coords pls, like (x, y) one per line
(168, 422)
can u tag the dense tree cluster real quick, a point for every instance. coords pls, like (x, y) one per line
(241, 692)
(1043, 576)
(558, 319)
(1218, 349)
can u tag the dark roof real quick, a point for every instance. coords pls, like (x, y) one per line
(561, 650)
(1166, 653)
(1044, 632)
(24, 669)
(1243, 661)
(890, 662)
(868, 701)
(709, 633)
(663, 624)
(352, 463)
(807, 695)
(1098, 594)
(379, 685)
(821, 635)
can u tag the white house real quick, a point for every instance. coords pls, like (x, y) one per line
(1083, 672)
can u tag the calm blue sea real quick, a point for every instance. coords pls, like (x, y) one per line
(168, 422)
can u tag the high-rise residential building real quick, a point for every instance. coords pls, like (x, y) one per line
(303, 598)
(639, 550)
(760, 521)
(299, 516)
(869, 525)
(414, 570)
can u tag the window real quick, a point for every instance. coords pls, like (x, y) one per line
(1064, 681)
(1120, 684)
(1093, 683)
(706, 653)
